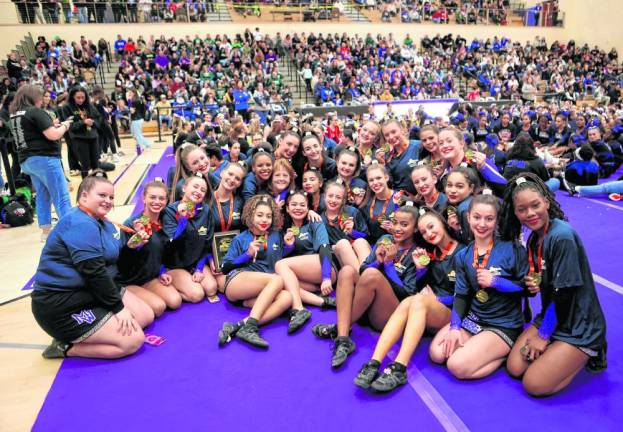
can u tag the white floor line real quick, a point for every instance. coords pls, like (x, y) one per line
(605, 204)
(605, 282)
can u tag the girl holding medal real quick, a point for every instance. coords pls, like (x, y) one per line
(429, 135)
(189, 225)
(425, 183)
(429, 309)
(261, 170)
(189, 159)
(398, 155)
(348, 166)
(226, 208)
(345, 225)
(454, 152)
(75, 297)
(388, 275)
(140, 268)
(379, 209)
(570, 331)
(309, 266)
(250, 268)
(461, 184)
(312, 185)
(316, 157)
(368, 141)
(486, 314)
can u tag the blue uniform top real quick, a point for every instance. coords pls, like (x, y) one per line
(264, 261)
(250, 187)
(77, 237)
(400, 167)
(375, 216)
(311, 237)
(502, 309)
(226, 209)
(565, 267)
(360, 229)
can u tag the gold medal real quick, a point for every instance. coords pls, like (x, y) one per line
(295, 230)
(482, 296)
(423, 260)
(386, 148)
(386, 241)
(381, 219)
(451, 211)
(536, 278)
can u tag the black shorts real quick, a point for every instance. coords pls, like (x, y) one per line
(507, 335)
(70, 316)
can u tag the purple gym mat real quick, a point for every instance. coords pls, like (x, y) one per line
(188, 383)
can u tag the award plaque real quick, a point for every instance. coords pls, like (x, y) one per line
(220, 245)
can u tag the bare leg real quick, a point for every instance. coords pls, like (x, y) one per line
(346, 255)
(108, 343)
(208, 284)
(300, 273)
(141, 311)
(436, 348)
(362, 249)
(262, 287)
(516, 365)
(480, 356)
(190, 291)
(393, 330)
(156, 304)
(168, 293)
(346, 281)
(373, 294)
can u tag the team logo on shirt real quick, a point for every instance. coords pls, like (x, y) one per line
(85, 316)
(412, 163)
(116, 235)
(275, 247)
(495, 271)
(452, 276)
(235, 215)
(399, 268)
(202, 231)
(303, 236)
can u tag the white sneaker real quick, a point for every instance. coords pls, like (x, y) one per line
(115, 158)
(74, 173)
(120, 153)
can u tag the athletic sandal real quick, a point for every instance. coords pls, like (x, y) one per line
(367, 374)
(298, 318)
(325, 331)
(344, 346)
(328, 302)
(56, 349)
(393, 376)
(227, 332)
(249, 333)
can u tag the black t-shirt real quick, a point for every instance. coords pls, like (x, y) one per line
(28, 126)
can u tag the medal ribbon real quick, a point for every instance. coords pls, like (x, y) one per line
(385, 204)
(539, 254)
(485, 259)
(122, 227)
(444, 252)
(221, 218)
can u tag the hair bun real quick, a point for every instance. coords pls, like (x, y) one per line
(520, 180)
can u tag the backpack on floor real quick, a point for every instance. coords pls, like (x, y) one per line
(16, 211)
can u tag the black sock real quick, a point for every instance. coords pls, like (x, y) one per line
(375, 363)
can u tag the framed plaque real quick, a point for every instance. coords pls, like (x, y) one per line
(220, 245)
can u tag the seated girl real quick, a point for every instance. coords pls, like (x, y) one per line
(257, 180)
(379, 209)
(425, 183)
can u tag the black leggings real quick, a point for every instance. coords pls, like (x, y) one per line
(88, 152)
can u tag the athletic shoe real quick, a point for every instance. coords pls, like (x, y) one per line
(567, 185)
(615, 197)
(298, 318)
(249, 333)
(328, 302)
(225, 334)
(56, 349)
(393, 376)
(367, 374)
(325, 331)
(344, 346)
(74, 173)
(120, 153)
(115, 158)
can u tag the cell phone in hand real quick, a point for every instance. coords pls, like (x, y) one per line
(70, 119)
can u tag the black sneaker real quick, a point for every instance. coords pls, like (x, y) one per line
(298, 318)
(328, 302)
(250, 334)
(227, 332)
(56, 349)
(344, 346)
(393, 376)
(567, 185)
(367, 374)
(325, 331)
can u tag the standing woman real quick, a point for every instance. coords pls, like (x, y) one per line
(39, 152)
(345, 225)
(570, 331)
(250, 268)
(309, 265)
(75, 295)
(486, 314)
(429, 309)
(83, 131)
(137, 114)
(387, 276)
(141, 269)
(399, 155)
(379, 209)
(189, 225)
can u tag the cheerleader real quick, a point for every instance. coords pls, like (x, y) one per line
(287, 146)
(348, 167)
(346, 226)
(570, 331)
(74, 293)
(379, 209)
(316, 157)
(486, 314)
(461, 185)
(425, 181)
(429, 136)
(309, 265)
(261, 170)
(312, 185)
(388, 275)
(250, 266)
(189, 225)
(454, 152)
(429, 309)
(368, 141)
(141, 269)
(189, 159)
(399, 155)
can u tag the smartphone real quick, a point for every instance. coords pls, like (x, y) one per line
(70, 119)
